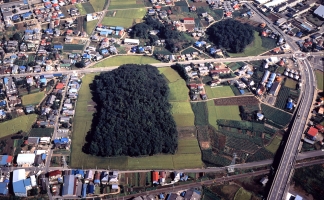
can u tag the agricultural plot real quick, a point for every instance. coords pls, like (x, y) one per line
(291, 83)
(244, 100)
(32, 99)
(98, 5)
(275, 115)
(170, 74)
(188, 146)
(242, 125)
(116, 21)
(274, 145)
(120, 60)
(178, 91)
(23, 123)
(242, 194)
(88, 7)
(235, 66)
(257, 47)
(320, 79)
(201, 113)
(182, 114)
(221, 112)
(41, 132)
(117, 4)
(90, 26)
(217, 92)
(213, 159)
(261, 154)
(282, 97)
(71, 47)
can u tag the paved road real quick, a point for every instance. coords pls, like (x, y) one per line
(285, 170)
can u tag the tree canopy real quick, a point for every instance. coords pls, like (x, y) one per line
(231, 35)
(133, 115)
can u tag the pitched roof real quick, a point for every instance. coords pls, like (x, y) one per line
(312, 131)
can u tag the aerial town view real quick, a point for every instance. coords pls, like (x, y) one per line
(162, 99)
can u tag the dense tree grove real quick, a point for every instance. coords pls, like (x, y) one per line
(133, 115)
(174, 39)
(231, 35)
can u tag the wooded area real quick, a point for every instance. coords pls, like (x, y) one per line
(133, 113)
(231, 35)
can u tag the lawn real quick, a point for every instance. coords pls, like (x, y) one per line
(89, 26)
(320, 79)
(124, 4)
(183, 114)
(23, 123)
(81, 9)
(32, 99)
(253, 49)
(221, 112)
(274, 145)
(217, 92)
(242, 194)
(98, 5)
(120, 60)
(291, 83)
(187, 156)
(124, 18)
(117, 21)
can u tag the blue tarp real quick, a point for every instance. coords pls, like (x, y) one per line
(43, 80)
(22, 67)
(58, 46)
(27, 182)
(3, 103)
(43, 156)
(289, 105)
(119, 28)
(84, 190)
(91, 189)
(5, 80)
(242, 92)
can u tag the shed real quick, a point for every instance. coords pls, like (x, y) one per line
(27, 158)
(84, 190)
(91, 188)
(68, 185)
(3, 188)
(289, 105)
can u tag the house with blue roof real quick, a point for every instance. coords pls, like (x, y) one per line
(198, 44)
(15, 18)
(119, 28)
(86, 56)
(84, 190)
(68, 185)
(299, 34)
(3, 188)
(212, 51)
(26, 15)
(3, 103)
(2, 114)
(58, 47)
(91, 189)
(103, 33)
(19, 188)
(22, 69)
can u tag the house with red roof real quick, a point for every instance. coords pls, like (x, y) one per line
(54, 174)
(189, 20)
(312, 132)
(228, 14)
(320, 128)
(59, 86)
(155, 177)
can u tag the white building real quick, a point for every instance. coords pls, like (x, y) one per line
(131, 41)
(25, 159)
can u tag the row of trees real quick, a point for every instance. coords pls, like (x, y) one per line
(133, 115)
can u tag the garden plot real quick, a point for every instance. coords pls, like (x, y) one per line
(125, 4)
(124, 18)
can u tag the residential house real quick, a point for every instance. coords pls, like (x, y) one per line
(188, 20)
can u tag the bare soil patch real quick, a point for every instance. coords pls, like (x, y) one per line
(186, 131)
(204, 145)
(243, 100)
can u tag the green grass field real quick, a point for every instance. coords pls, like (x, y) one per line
(125, 18)
(187, 156)
(81, 9)
(274, 145)
(218, 92)
(242, 194)
(23, 123)
(32, 99)
(320, 79)
(170, 74)
(253, 49)
(120, 60)
(291, 83)
(117, 4)
(98, 5)
(221, 112)
(89, 26)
